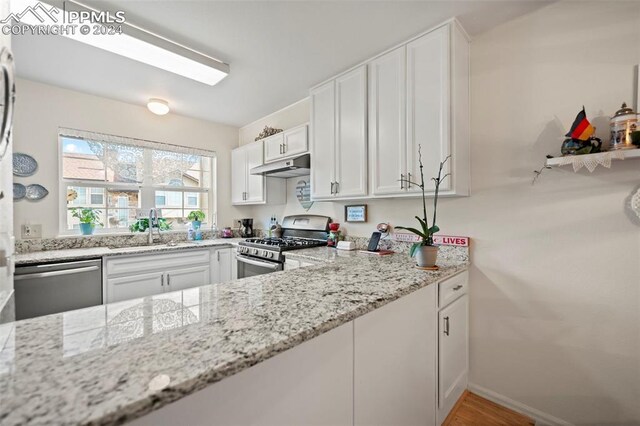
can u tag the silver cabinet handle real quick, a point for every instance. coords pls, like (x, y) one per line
(218, 255)
(331, 188)
(408, 180)
(162, 280)
(168, 280)
(446, 325)
(401, 181)
(337, 187)
(55, 273)
(284, 148)
(458, 287)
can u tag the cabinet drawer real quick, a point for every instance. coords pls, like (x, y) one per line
(451, 289)
(126, 265)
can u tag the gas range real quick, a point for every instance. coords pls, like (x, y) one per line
(272, 248)
(298, 232)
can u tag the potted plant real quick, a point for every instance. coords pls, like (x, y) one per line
(425, 252)
(142, 224)
(88, 219)
(196, 217)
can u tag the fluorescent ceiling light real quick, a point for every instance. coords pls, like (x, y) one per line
(140, 45)
(158, 106)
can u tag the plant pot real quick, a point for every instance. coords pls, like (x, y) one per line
(87, 228)
(426, 256)
(196, 224)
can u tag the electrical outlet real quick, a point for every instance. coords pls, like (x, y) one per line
(30, 232)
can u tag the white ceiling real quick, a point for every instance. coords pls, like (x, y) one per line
(277, 50)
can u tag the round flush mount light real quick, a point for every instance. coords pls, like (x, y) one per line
(158, 106)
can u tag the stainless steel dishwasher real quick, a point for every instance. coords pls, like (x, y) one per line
(57, 287)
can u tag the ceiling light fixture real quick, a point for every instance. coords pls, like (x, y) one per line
(138, 44)
(158, 106)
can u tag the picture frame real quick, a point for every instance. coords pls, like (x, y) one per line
(355, 213)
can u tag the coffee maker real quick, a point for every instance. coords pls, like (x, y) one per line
(246, 228)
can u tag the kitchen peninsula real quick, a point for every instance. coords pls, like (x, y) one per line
(118, 362)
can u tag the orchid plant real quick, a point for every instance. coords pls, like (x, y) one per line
(426, 232)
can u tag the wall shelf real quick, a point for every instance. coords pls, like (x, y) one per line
(591, 161)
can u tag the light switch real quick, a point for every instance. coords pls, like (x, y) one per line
(31, 232)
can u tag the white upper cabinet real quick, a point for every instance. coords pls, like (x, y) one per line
(351, 134)
(287, 144)
(339, 137)
(273, 147)
(420, 98)
(323, 137)
(387, 122)
(418, 95)
(245, 187)
(428, 103)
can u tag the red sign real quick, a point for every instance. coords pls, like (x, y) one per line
(448, 240)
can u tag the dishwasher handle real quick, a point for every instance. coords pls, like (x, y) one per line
(55, 273)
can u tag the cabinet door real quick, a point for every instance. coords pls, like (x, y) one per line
(428, 105)
(395, 362)
(453, 363)
(273, 147)
(256, 192)
(238, 175)
(387, 122)
(134, 286)
(180, 279)
(351, 134)
(222, 271)
(295, 141)
(322, 141)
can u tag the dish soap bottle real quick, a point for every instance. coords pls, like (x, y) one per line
(190, 233)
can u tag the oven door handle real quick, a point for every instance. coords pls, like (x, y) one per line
(250, 261)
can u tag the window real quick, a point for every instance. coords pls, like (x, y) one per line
(124, 178)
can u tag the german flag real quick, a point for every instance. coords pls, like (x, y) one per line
(581, 128)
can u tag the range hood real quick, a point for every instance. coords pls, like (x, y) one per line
(297, 166)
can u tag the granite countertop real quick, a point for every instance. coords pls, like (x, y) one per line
(95, 365)
(94, 252)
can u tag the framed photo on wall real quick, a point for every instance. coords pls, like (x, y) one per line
(356, 213)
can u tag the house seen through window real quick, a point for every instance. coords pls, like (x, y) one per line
(124, 181)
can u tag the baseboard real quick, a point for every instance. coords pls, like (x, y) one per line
(541, 418)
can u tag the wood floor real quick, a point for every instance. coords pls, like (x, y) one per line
(472, 410)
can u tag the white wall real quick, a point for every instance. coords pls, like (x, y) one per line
(555, 297)
(41, 108)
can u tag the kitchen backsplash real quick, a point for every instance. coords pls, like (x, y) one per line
(113, 240)
(132, 240)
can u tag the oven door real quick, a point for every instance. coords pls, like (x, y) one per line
(250, 266)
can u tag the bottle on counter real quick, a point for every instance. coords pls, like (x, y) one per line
(190, 233)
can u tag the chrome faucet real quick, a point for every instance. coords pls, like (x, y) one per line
(153, 223)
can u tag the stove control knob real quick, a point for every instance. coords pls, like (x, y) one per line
(271, 255)
(255, 251)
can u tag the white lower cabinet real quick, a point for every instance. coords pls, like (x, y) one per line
(222, 265)
(395, 362)
(130, 277)
(183, 278)
(453, 354)
(134, 286)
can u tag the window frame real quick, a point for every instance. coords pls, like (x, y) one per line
(146, 191)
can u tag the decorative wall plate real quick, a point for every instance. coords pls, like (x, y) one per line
(19, 191)
(36, 192)
(24, 165)
(303, 194)
(635, 203)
